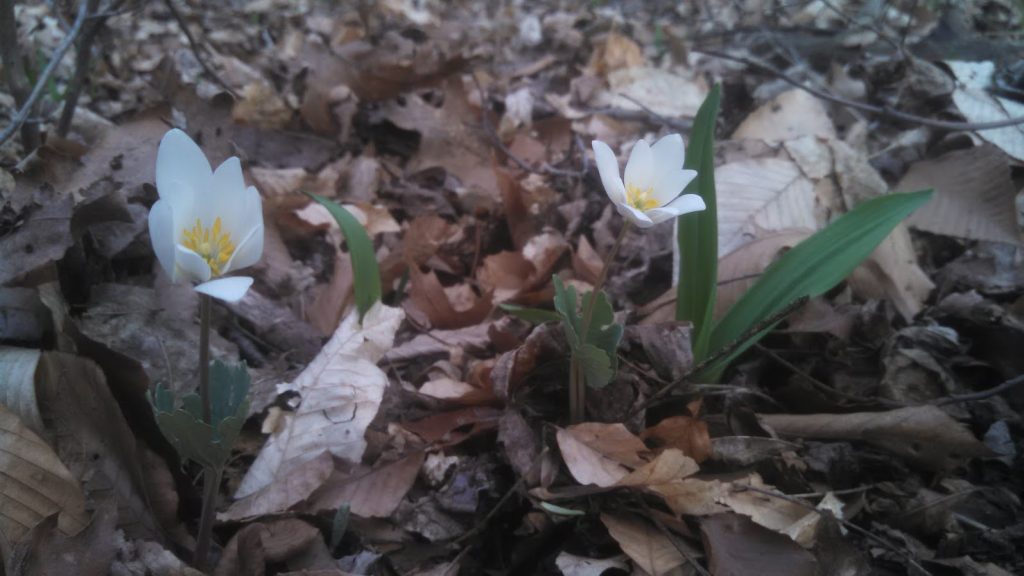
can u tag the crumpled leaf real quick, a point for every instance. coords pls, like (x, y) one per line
(340, 392)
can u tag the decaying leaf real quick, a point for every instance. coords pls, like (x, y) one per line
(340, 393)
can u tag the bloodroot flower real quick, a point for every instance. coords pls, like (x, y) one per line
(206, 223)
(655, 178)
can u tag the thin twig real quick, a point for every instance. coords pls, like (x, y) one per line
(196, 49)
(881, 111)
(1004, 387)
(58, 55)
(724, 352)
(845, 523)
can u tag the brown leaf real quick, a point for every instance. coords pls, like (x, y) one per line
(616, 52)
(738, 547)
(262, 543)
(372, 493)
(791, 114)
(892, 272)
(46, 551)
(333, 298)
(974, 195)
(669, 466)
(43, 238)
(740, 269)
(684, 433)
(924, 435)
(39, 484)
(443, 427)
(433, 300)
(647, 546)
(600, 454)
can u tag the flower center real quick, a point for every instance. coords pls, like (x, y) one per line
(640, 198)
(213, 244)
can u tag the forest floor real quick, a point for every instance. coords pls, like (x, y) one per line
(877, 430)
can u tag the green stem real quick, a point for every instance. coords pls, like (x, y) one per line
(211, 483)
(211, 476)
(577, 385)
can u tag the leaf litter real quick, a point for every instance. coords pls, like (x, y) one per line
(874, 432)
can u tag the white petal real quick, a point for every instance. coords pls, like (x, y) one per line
(635, 216)
(179, 196)
(683, 205)
(668, 154)
(608, 168)
(640, 168)
(179, 158)
(224, 199)
(227, 289)
(191, 265)
(248, 251)
(671, 185)
(162, 234)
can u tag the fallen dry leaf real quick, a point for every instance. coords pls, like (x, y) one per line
(974, 195)
(46, 550)
(924, 435)
(740, 269)
(340, 393)
(40, 485)
(600, 454)
(282, 495)
(18, 368)
(791, 114)
(738, 547)
(370, 493)
(684, 433)
(645, 545)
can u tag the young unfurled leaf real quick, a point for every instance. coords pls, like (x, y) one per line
(366, 283)
(595, 350)
(206, 444)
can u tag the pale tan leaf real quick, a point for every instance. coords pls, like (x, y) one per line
(791, 114)
(776, 514)
(925, 435)
(600, 454)
(977, 105)
(35, 483)
(974, 195)
(666, 93)
(18, 384)
(340, 393)
(285, 493)
(643, 543)
(740, 269)
(669, 466)
(693, 496)
(758, 195)
(372, 493)
(892, 272)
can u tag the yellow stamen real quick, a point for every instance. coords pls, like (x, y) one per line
(213, 244)
(640, 198)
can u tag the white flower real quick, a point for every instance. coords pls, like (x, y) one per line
(655, 178)
(206, 223)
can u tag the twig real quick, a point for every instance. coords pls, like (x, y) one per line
(642, 116)
(1004, 387)
(721, 353)
(196, 50)
(58, 55)
(845, 523)
(83, 53)
(864, 107)
(818, 383)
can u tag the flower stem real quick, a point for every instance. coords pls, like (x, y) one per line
(577, 385)
(211, 483)
(211, 476)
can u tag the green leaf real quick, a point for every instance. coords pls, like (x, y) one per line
(339, 525)
(565, 304)
(560, 511)
(596, 365)
(698, 231)
(365, 270)
(531, 315)
(812, 268)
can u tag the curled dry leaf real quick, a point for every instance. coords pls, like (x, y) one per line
(973, 79)
(40, 485)
(45, 550)
(924, 435)
(340, 392)
(684, 433)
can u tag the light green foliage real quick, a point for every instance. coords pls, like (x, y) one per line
(209, 445)
(365, 270)
(531, 315)
(698, 231)
(596, 349)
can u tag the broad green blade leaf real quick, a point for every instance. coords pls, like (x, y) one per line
(813, 267)
(364, 262)
(698, 231)
(531, 315)
(596, 366)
